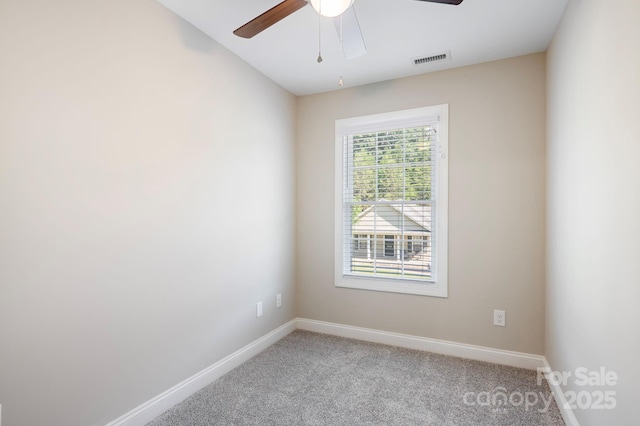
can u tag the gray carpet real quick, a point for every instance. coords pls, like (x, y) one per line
(314, 379)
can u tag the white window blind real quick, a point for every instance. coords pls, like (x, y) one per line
(390, 226)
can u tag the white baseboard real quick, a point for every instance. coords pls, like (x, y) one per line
(151, 409)
(462, 350)
(558, 394)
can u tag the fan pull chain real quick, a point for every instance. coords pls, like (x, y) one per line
(319, 38)
(341, 82)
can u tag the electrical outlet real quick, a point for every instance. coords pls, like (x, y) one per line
(279, 300)
(259, 310)
(499, 318)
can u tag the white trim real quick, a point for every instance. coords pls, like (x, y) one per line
(151, 409)
(558, 394)
(461, 350)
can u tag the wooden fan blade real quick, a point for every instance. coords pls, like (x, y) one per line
(453, 2)
(270, 17)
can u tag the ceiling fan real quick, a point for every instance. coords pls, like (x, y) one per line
(329, 8)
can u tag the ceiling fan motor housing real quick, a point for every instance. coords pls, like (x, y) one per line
(331, 8)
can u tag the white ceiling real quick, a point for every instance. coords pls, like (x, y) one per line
(395, 32)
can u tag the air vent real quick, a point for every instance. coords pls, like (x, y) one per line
(433, 58)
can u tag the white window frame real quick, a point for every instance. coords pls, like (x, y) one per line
(438, 285)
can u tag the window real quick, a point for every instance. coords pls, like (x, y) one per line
(391, 201)
(362, 242)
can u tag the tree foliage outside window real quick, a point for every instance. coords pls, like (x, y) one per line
(392, 165)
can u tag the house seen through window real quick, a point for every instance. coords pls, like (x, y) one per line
(391, 201)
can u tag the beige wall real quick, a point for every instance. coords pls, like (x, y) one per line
(496, 207)
(131, 145)
(593, 244)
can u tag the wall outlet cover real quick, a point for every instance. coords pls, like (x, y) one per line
(499, 318)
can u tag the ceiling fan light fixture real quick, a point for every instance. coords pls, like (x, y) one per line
(331, 8)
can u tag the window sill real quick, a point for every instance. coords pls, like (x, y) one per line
(420, 288)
